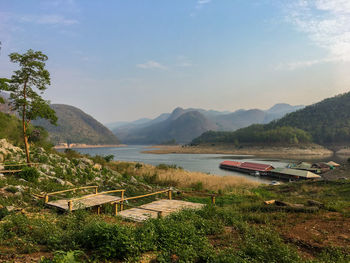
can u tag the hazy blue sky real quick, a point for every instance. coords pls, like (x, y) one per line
(126, 59)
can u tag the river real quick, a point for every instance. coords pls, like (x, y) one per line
(206, 163)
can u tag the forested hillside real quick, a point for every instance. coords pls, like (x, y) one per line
(75, 126)
(326, 122)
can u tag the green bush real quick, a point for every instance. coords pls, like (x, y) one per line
(30, 174)
(109, 241)
(138, 165)
(198, 186)
(108, 158)
(75, 256)
(163, 166)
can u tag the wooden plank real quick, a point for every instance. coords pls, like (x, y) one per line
(150, 210)
(87, 202)
(18, 164)
(10, 171)
(102, 193)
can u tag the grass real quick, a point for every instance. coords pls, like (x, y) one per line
(238, 229)
(168, 175)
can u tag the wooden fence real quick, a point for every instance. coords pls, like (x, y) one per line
(46, 196)
(16, 165)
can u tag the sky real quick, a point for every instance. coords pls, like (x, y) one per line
(123, 60)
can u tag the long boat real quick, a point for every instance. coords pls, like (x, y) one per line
(246, 167)
(269, 171)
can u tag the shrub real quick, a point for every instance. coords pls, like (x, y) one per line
(109, 241)
(30, 174)
(74, 256)
(138, 165)
(151, 179)
(70, 154)
(108, 158)
(163, 166)
(11, 189)
(198, 186)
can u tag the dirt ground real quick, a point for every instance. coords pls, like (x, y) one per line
(312, 233)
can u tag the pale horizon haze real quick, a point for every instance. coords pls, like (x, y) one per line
(124, 60)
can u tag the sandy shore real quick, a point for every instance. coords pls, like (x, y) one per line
(309, 151)
(83, 146)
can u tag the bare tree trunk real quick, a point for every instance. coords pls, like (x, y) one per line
(25, 137)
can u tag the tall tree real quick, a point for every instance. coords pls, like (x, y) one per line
(32, 77)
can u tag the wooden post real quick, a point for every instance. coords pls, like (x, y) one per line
(122, 202)
(213, 199)
(96, 191)
(98, 210)
(169, 194)
(70, 205)
(115, 209)
(46, 198)
(160, 214)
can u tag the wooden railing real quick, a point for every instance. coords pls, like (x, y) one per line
(46, 196)
(16, 164)
(122, 200)
(70, 202)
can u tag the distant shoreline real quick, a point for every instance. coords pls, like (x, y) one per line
(86, 146)
(273, 151)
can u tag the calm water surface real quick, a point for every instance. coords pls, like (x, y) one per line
(206, 163)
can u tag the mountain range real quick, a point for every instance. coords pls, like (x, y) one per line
(183, 125)
(326, 122)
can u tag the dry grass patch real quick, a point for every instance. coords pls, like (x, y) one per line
(188, 179)
(167, 176)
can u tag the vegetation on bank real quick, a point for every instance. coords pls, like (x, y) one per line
(326, 122)
(256, 134)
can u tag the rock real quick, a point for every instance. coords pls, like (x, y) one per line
(45, 167)
(133, 179)
(62, 182)
(2, 176)
(87, 161)
(10, 208)
(146, 186)
(97, 166)
(2, 167)
(81, 166)
(20, 188)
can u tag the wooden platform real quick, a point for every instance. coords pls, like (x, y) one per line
(166, 206)
(94, 200)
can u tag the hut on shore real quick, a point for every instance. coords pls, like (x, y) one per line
(293, 174)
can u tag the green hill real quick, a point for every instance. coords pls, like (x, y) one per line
(75, 126)
(328, 122)
(325, 123)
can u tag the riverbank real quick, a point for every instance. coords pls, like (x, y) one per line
(310, 151)
(87, 146)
